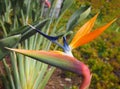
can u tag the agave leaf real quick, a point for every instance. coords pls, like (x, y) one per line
(8, 42)
(78, 16)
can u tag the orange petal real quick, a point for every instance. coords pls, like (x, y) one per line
(85, 29)
(90, 36)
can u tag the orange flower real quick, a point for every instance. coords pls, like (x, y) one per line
(84, 35)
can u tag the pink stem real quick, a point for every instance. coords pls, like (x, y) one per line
(86, 77)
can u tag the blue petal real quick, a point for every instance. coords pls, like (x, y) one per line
(66, 46)
(51, 38)
(54, 39)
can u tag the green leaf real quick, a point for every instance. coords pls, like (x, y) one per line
(78, 16)
(27, 31)
(66, 5)
(46, 78)
(64, 8)
(8, 42)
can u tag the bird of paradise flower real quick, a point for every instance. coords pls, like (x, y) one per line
(65, 60)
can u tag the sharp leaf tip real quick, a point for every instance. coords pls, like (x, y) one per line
(9, 48)
(31, 26)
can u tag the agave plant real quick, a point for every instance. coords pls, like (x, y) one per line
(14, 16)
(65, 60)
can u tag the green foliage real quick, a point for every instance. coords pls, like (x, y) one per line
(108, 8)
(103, 75)
(102, 55)
(66, 5)
(8, 42)
(14, 17)
(78, 16)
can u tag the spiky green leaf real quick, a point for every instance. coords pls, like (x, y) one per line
(8, 42)
(26, 31)
(78, 16)
(66, 5)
